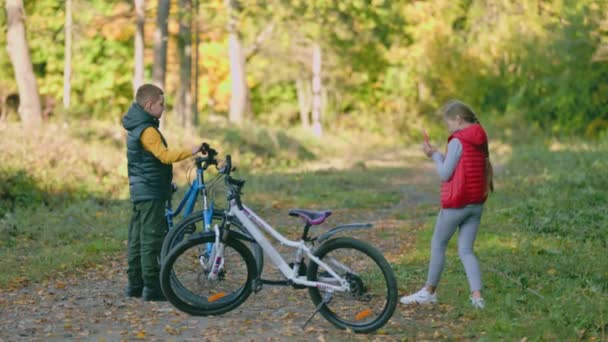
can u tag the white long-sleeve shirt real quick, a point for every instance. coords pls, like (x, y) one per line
(447, 164)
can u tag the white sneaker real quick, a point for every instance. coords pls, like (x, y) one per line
(421, 297)
(478, 302)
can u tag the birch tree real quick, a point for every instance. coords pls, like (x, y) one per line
(317, 102)
(239, 95)
(18, 50)
(304, 94)
(67, 66)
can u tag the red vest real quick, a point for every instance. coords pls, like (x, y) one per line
(468, 182)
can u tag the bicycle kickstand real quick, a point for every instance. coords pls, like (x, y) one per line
(326, 300)
(257, 284)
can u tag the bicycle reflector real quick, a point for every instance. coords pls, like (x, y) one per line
(361, 315)
(216, 296)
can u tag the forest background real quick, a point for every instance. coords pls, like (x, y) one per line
(384, 66)
(310, 97)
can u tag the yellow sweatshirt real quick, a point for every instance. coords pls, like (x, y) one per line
(152, 142)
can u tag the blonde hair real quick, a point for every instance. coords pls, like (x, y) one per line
(454, 108)
(147, 92)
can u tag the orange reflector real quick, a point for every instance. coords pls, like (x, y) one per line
(361, 315)
(216, 296)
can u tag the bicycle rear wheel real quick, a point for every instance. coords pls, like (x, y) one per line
(185, 282)
(372, 298)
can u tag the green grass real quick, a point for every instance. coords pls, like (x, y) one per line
(542, 247)
(542, 244)
(40, 241)
(333, 189)
(64, 193)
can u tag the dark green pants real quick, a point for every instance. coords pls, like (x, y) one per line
(146, 233)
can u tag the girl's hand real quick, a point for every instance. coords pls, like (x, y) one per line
(428, 149)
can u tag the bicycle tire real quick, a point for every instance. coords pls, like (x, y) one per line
(373, 296)
(185, 284)
(194, 222)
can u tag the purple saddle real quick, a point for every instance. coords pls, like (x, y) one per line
(311, 217)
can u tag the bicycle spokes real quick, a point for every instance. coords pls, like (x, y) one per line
(203, 277)
(368, 294)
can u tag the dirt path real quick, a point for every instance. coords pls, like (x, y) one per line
(89, 306)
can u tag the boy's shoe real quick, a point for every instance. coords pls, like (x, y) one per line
(133, 292)
(421, 297)
(478, 302)
(153, 295)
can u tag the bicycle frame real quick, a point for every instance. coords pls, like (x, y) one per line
(189, 199)
(254, 225)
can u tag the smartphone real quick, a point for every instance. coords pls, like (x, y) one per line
(426, 136)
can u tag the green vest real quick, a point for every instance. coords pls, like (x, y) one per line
(149, 179)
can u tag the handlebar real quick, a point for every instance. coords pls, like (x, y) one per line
(206, 149)
(205, 162)
(234, 185)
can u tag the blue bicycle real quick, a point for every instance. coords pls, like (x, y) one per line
(203, 220)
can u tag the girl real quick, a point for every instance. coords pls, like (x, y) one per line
(466, 180)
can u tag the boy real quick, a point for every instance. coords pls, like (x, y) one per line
(150, 175)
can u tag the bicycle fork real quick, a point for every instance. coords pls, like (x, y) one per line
(217, 256)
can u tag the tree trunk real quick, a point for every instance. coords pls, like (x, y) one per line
(161, 36)
(423, 91)
(185, 63)
(196, 58)
(239, 95)
(140, 15)
(304, 100)
(67, 66)
(3, 106)
(18, 50)
(317, 100)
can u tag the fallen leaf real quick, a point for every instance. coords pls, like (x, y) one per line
(171, 330)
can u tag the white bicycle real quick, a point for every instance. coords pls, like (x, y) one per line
(349, 281)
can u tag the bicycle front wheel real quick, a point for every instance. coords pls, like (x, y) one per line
(372, 298)
(195, 222)
(184, 276)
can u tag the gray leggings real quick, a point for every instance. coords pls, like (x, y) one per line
(448, 221)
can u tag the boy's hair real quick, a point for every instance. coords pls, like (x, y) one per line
(454, 108)
(147, 92)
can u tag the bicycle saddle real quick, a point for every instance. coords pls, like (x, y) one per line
(311, 217)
